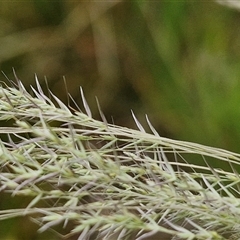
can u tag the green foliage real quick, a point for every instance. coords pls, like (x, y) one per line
(86, 178)
(177, 61)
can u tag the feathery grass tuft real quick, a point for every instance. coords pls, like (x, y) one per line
(87, 178)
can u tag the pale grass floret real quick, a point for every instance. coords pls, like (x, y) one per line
(109, 181)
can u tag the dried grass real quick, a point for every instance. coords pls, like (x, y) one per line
(97, 179)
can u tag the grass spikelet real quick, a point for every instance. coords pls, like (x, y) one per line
(92, 180)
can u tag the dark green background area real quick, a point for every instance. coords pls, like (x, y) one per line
(176, 61)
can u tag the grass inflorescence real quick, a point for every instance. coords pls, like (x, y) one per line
(95, 179)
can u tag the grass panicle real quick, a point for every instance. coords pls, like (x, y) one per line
(97, 179)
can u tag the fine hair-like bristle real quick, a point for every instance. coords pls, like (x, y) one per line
(102, 181)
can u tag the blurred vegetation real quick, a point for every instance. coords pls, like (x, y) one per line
(178, 62)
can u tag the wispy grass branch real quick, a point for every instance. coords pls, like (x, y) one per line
(107, 180)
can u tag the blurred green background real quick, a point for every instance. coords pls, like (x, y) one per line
(176, 61)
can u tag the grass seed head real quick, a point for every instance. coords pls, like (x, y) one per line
(103, 180)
